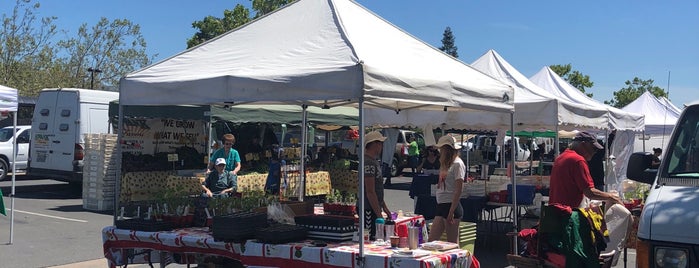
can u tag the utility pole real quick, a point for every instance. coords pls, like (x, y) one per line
(92, 76)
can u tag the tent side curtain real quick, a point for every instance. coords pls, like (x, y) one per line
(8, 99)
(179, 112)
(545, 134)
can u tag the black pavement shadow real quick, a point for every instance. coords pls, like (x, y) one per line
(79, 208)
(47, 191)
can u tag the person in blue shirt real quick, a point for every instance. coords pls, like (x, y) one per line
(227, 152)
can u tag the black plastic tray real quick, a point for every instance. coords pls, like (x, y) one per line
(144, 225)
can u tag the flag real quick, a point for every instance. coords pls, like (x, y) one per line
(2, 204)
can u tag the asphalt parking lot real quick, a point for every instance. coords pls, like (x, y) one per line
(50, 226)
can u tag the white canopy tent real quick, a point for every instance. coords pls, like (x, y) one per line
(9, 103)
(659, 118)
(548, 80)
(619, 120)
(316, 53)
(670, 105)
(537, 109)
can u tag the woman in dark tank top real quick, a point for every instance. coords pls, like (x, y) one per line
(431, 160)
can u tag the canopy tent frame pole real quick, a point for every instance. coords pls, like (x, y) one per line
(12, 192)
(557, 146)
(515, 209)
(304, 146)
(117, 184)
(607, 146)
(360, 210)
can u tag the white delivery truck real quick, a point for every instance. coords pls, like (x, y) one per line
(668, 234)
(62, 117)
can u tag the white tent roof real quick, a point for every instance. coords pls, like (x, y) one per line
(659, 118)
(313, 51)
(536, 108)
(8, 99)
(670, 105)
(548, 80)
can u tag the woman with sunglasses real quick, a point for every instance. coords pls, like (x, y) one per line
(431, 160)
(227, 152)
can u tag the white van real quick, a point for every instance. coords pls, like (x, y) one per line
(668, 233)
(62, 117)
(6, 146)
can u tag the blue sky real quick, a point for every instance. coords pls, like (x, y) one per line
(611, 41)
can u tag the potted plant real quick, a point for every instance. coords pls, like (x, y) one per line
(338, 203)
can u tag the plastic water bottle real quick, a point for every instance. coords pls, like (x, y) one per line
(380, 229)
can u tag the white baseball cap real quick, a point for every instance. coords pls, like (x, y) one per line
(448, 140)
(220, 161)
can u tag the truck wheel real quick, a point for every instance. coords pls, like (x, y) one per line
(394, 168)
(4, 169)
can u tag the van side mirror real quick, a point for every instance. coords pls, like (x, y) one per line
(638, 170)
(22, 139)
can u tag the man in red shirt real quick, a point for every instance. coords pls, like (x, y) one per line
(570, 176)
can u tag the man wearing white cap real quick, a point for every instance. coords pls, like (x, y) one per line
(220, 181)
(373, 182)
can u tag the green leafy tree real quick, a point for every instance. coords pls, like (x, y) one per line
(574, 78)
(633, 90)
(31, 57)
(211, 26)
(115, 48)
(263, 7)
(448, 41)
(26, 50)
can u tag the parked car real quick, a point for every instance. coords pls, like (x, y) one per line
(6, 144)
(486, 145)
(400, 157)
(522, 152)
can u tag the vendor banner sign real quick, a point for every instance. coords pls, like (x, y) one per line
(151, 136)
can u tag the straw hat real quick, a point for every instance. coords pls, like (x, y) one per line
(448, 140)
(373, 136)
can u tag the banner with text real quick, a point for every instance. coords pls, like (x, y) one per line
(151, 136)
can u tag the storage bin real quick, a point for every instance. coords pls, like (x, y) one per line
(525, 194)
(499, 196)
(467, 236)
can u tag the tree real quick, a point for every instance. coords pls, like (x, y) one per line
(211, 26)
(448, 45)
(574, 78)
(115, 48)
(26, 51)
(633, 90)
(31, 58)
(263, 7)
